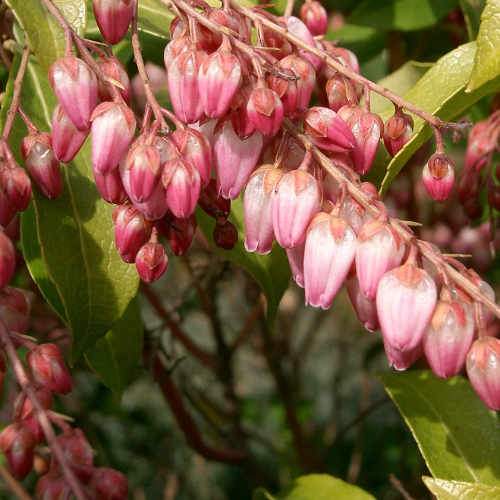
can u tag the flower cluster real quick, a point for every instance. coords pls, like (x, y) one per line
(43, 375)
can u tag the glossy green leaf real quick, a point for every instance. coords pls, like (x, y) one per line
(472, 10)
(271, 271)
(441, 91)
(365, 41)
(400, 82)
(487, 61)
(316, 487)
(403, 15)
(74, 232)
(115, 358)
(457, 435)
(451, 490)
(45, 36)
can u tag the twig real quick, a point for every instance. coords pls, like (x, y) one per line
(16, 96)
(13, 484)
(40, 413)
(289, 8)
(399, 486)
(186, 422)
(204, 357)
(435, 257)
(378, 89)
(139, 61)
(248, 325)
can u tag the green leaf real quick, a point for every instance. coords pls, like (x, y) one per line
(403, 15)
(457, 435)
(74, 232)
(366, 42)
(116, 357)
(271, 271)
(487, 61)
(471, 10)
(46, 38)
(400, 82)
(316, 487)
(451, 490)
(441, 91)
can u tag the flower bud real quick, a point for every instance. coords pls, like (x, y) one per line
(113, 128)
(218, 80)
(195, 148)
(480, 146)
(15, 309)
(151, 262)
(48, 368)
(397, 132)
(52, 486)
(77, 453)
(18, 443)
(295, 257)
(183, 86)
(265, 110)
(75, 86)
(340, 91)
(212, 203)
(113, 18)
(344, 56)
(402, 360)
(367, 129)
(66, 138)
(315, 17)
(328, 130)
(329, 252)
(294, 94)
(438, 177)
(24, 409)
(143, 170)
(379, 250)
(235, 159)
(178, 232)
(448, 336)
(182, 185)
(7, 260)
(406, 297)
(7, 210)
(108, 484)
(42, 164)
(112, 68)
(225, 235)
(110, 187)
(483, 370)
(296, 27)
(365, 309)
(296, 201)
(16, 187)
(131, 231)
(257, 209)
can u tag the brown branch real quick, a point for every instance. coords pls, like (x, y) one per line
(252, 317)
(16, 96)
(13, 484)
(40, 412)
(204, 357)
(399, 487)
(185, 420)
(435, 257)
(307, 460)
(139, 61)
(330, 61)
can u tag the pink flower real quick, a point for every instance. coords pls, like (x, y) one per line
(328, 256)
(365, 309)
(257, 209)
(66, 138)
(438, 176)
(328, 130)
(265, 111)
(151, 262)
(315, 17)
(75, 86)
(113, 18)
(296, 201)
(397, 132)
(406, 297)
